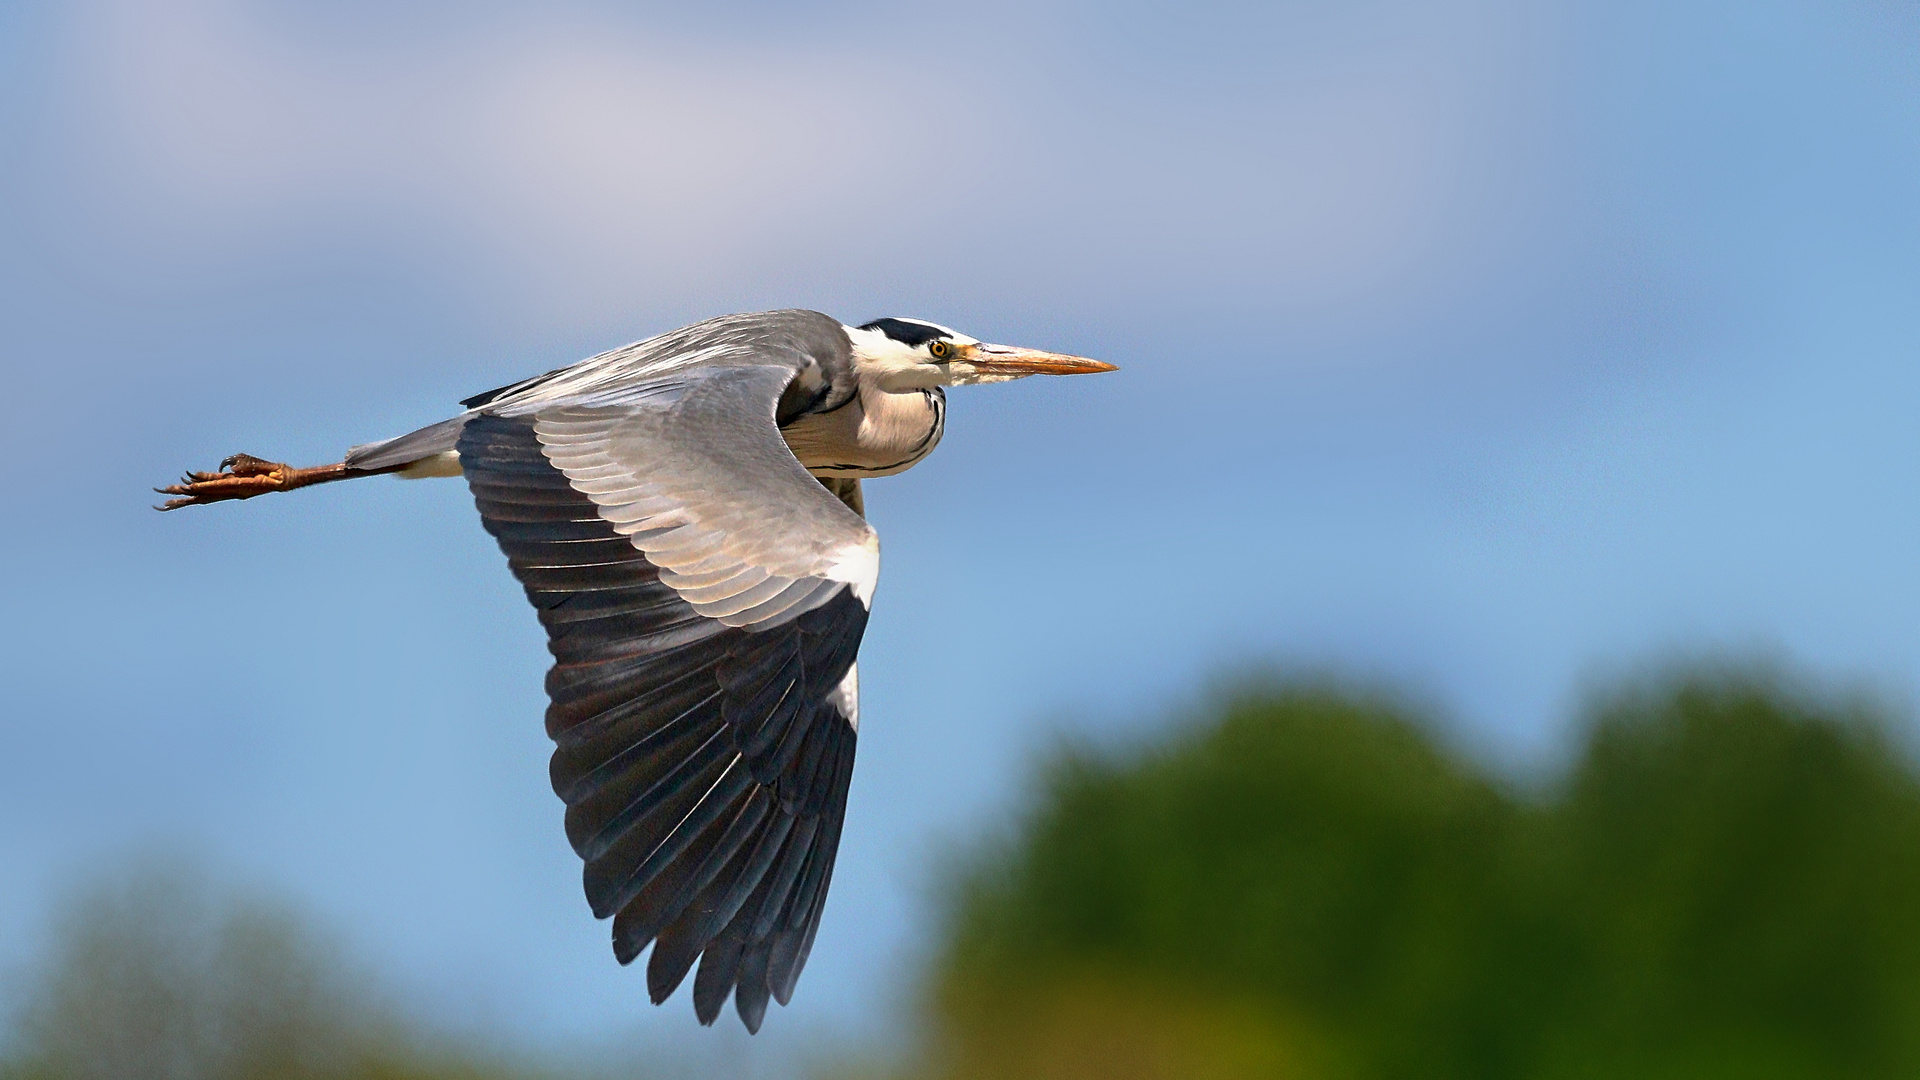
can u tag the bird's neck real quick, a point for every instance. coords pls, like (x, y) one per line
(878, 432)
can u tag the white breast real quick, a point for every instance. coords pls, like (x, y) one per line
(875, 433)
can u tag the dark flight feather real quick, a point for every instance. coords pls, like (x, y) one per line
(705, 767)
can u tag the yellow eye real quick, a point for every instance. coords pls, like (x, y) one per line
(939, 349)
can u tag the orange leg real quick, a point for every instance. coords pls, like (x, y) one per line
(243, 476)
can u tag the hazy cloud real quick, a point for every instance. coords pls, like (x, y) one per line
(590, 157)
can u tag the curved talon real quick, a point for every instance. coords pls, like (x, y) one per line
(248, 465)
(242, 476)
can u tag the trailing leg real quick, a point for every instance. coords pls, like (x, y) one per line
(243, 476)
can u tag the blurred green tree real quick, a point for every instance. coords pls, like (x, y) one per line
(1727, 884)
(154, 975)
(1738, 869)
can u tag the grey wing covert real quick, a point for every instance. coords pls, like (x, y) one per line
(704, 766)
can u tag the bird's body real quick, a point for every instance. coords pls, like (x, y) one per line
(686, 517)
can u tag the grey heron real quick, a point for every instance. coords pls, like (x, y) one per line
(685, 515)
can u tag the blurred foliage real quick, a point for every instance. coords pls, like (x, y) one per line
(1303, 882)
(152, 976)
(1307, 884)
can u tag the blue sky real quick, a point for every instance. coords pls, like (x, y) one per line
(1479, 346)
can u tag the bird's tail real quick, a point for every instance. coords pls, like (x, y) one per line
(414, 448)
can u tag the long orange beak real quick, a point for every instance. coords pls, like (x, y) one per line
(1009, 360)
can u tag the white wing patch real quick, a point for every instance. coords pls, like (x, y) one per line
(858, 565)
(846, 696)
(443, 464)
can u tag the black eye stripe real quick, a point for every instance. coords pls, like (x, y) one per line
(906, 331)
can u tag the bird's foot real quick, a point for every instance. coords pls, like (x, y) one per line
(243, 476)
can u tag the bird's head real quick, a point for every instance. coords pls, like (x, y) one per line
(912, 354)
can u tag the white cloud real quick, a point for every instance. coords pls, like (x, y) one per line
(597, 160)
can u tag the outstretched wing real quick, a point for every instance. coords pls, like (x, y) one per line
(704, 598)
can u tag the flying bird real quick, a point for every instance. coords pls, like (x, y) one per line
(685, 514)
